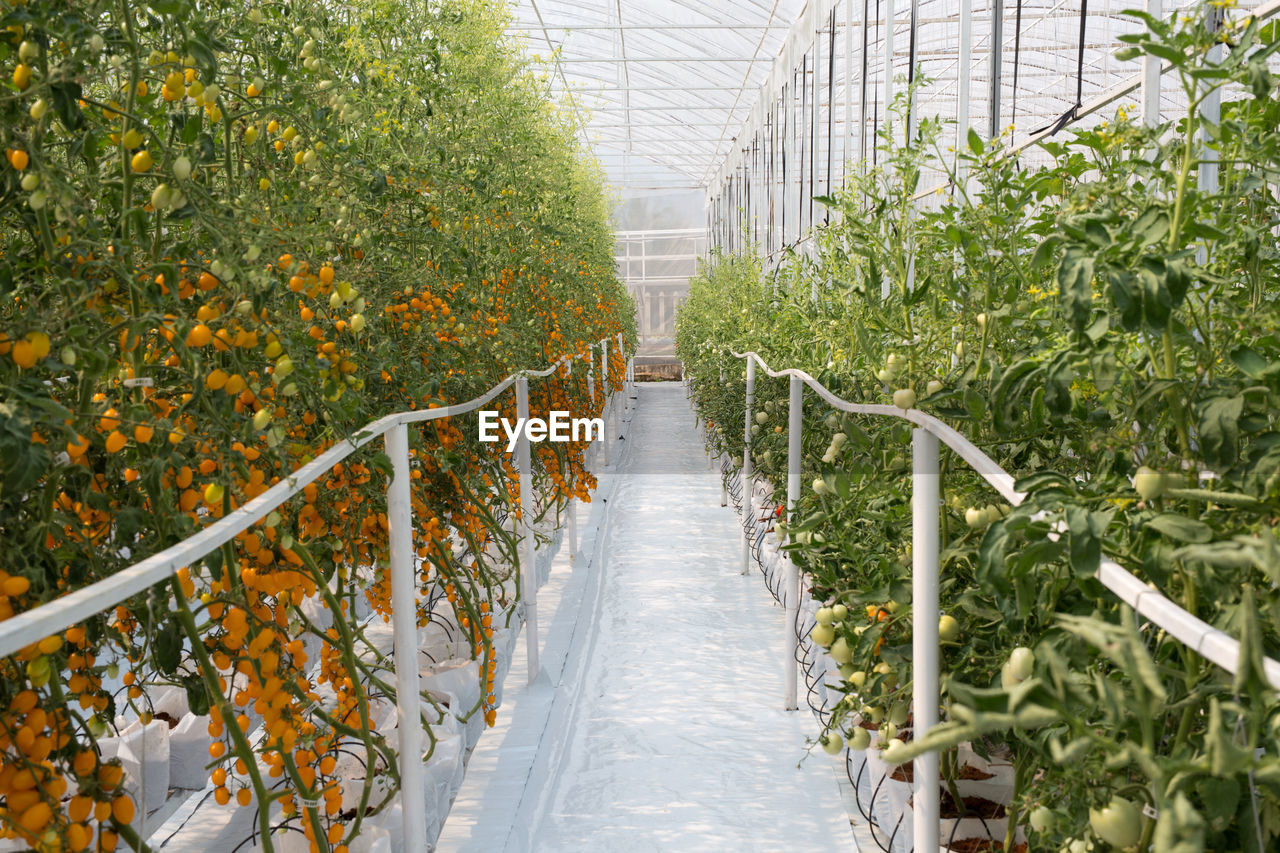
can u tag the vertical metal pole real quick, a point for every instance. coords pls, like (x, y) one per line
(1151, 75)
(864, 86)
(404, 620)
(626, 403)
(846, 149)
(912, 58)
(888, 66)
(1210, 112)
(962, 86)
(528, 573)
(795, 422)
(748, 481)
(924, 631)
(997, 48)
(573, 527)
(591, 386)
(604, 401)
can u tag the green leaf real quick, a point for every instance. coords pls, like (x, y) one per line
(1181, 528)
(1151, 226)
(201, 51)
(197, 694)
(66, 103)
(166, 647)
(1248, 362)
(1165, 52)
(1075, 283)
(1219, 430)
(975, 141)
(1084, 539)
(1044, 252)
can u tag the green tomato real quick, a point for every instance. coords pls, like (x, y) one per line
(857, 679)
(824, 616)
(832, 743)
(823, 635)
(860, 739)
(39, 671)
(840, 612)
(948, 628)
(1119, 822)
(840, 651)
(1022, 663)
(1041, 819)
(904, 398)
(893, 752)
(762, 418)
(1148, 483)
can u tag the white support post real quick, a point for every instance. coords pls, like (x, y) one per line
(888, 68)
(404, 619)
(604, 402)
(591, 394)
(572, 513)
(528, 572)
(962, 87)
(924, 631)
(1210, 113)
(791, 596)
(996, 42)
(846, 146)
(626, 403)
(748, 484)
(1151, 75)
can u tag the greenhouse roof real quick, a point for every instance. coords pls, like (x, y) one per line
(662, 86)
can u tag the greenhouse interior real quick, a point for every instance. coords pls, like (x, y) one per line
(640, 425)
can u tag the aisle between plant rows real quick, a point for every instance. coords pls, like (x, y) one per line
(645, 753)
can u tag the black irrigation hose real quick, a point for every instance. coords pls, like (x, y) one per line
(809, 660)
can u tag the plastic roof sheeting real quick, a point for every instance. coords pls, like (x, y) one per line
(662, 86)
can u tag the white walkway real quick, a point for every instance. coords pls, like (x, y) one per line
(656, 724)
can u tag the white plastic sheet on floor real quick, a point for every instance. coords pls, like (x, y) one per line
(657, 722)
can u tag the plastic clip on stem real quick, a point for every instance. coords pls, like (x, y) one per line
(925, 491)
(792, 592)
(404, 617)
(748, 487)
(528, 573)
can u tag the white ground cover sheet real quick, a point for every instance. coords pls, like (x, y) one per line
(657, 722)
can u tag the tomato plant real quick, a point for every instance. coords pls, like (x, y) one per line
(233, 234)
(1104, 326)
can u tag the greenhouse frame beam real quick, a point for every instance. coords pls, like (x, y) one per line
(654, 60)
(584, 28)
(534, 4)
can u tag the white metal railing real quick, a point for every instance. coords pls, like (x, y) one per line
(55, 616)
(1210, 643)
